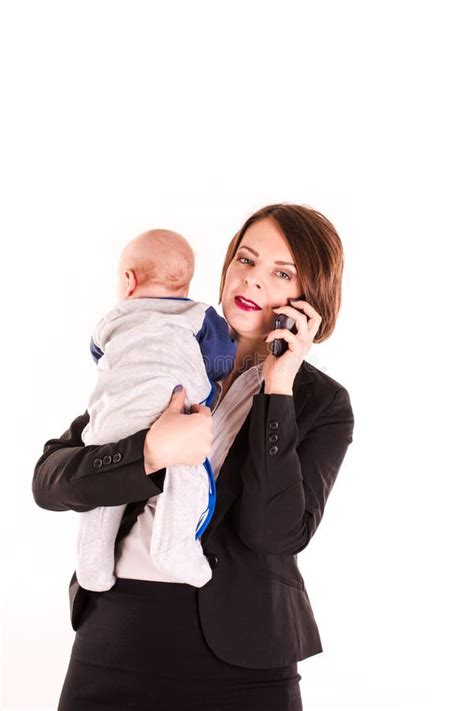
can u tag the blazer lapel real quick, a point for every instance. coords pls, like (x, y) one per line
(229, 481)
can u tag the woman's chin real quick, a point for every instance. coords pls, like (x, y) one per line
(245, 324)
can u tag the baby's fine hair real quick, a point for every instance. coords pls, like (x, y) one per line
(161, 257)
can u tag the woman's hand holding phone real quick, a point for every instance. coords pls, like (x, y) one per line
(294, 329)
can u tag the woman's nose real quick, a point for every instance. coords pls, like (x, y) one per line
(253, 279)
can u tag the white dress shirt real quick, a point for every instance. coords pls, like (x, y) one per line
(132, 556)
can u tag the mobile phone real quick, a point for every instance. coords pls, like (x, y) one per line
(279, 346)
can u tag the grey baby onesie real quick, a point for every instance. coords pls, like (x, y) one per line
(143, 348)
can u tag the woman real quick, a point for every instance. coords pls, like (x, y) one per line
(277, 437)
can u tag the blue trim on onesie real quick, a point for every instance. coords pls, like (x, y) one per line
(95, 351)
(201, 526)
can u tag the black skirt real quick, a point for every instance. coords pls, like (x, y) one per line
(140, 646)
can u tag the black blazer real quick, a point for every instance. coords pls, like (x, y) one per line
(271, 493)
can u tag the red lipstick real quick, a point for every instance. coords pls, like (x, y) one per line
(246, 304)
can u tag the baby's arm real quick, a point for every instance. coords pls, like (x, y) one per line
(217, 347)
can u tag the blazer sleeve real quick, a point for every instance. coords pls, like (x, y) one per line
(285, 487)
(72, 476)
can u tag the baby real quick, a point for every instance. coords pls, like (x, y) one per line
(155, 338)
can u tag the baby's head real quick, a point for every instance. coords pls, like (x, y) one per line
(156, 263)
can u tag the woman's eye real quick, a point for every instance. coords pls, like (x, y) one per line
(247, 260)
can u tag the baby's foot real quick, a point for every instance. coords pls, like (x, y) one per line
(95, 566)
(183, 562)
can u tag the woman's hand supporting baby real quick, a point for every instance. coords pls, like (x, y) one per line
(176, 438)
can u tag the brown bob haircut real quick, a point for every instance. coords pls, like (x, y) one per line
(318, 254)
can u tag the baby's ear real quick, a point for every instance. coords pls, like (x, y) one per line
(130, 283)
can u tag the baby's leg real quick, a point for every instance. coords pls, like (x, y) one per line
(174, 549)
(95, 555)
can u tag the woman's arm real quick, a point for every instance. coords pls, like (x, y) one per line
(72, 476)
(284, 493)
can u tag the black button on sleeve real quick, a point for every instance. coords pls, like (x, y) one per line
(273, 450)
(273, 425)
(117, 457)
(107, 459)
(97, 463)
(273, 438)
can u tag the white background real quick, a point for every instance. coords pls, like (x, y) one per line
(121, 116)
